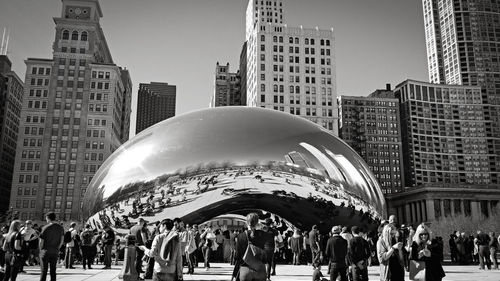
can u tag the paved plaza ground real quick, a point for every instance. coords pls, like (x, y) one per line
(220, 271)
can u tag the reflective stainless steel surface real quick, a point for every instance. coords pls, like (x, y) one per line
(223, 160)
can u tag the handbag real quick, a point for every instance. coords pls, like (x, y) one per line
(254, 257)
(417, 270)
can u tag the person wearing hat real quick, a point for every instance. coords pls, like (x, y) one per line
(336, 252)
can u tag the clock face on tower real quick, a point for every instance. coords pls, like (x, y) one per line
(73, 12)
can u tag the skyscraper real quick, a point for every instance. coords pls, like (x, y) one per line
(11, 98)
(227, 90)
(444, 133)
(74, 115)
(290, 69)
(463, 47)
(370, 125)
(155, 103)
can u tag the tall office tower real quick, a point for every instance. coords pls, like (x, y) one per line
(155, 103)
(73, 116)
(227, 90)
(463, 44)
(291, 69)
(445, 140)
(243, 73)
(270, 11)
(370, 125)
(11, 98)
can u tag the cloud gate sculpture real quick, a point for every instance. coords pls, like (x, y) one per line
(217, 161)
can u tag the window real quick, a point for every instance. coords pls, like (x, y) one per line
(65, 35)
(74, 35)
(83, 36)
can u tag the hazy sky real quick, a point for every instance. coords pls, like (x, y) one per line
(180, 41)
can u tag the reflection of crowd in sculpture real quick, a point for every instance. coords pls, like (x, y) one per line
(155, 196)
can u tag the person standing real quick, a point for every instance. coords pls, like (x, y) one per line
(108, 241)
(207, 240)
(258, 239)
(493, 250)
(140, 240)
(336, 252)
(30, 240)
(426, 250)
(358, 252)
(295, 244)
(70, 246)
(483, 245)
(166, 251)
(314, 244)
(388, 253)
(14, 257)
(86, 237)
(190, 249)
(269, 246)
(51, 240)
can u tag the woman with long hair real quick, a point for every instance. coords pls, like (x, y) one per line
(389, 255)
(13, 251)
(424, 254)
(242, 270)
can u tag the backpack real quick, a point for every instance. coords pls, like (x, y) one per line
(254, 257)
(67, 237)
(87, 236)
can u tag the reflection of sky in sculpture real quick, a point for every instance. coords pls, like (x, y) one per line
(233, 137)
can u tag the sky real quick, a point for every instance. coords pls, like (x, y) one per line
(180, 41)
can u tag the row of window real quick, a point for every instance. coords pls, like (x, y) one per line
(32, 142)
(30, 166)
(101, 74)
(35, 119)
(26, 204)
(40, 70)
(37, 104)
(98, 107)
(72, 62)
(39, 82)
(94, 145)
(73, 50)
(71, 73)
(96, 133)
(26, 191)
(28, 178)
(74, 35)
(296, 40)
(33, 131)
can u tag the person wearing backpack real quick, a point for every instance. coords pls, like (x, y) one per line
(87, 237)
(250, 256)
(69, 239)
(358, 252)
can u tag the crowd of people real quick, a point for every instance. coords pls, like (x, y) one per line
(167, 249)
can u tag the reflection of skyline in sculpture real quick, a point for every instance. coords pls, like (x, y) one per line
(297, 158)
(213, 161)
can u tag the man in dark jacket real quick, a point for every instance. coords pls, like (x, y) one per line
(483, 243)
(108, 241)
(336, 252)
(358, 253)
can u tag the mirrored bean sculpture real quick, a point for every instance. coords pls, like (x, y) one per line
(217, 161)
